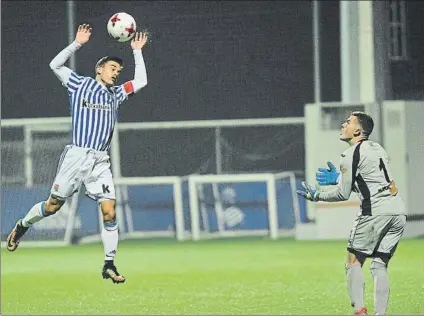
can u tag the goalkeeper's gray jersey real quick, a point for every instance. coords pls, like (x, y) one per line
(364, 169)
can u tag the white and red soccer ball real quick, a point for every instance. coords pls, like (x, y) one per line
(121, 26)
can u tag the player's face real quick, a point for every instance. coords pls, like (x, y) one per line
(110, 72)
(349, 129)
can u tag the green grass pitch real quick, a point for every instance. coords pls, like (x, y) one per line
(234, 276)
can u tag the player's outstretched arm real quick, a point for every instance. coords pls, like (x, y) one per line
(58, 63)
(140, 73)
(83, 34)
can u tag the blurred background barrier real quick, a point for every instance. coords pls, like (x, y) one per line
(249, 196)
(233, 186)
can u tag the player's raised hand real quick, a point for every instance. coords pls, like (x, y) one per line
(310, 193)
(83, 34)
(327, 176)
(139, 40)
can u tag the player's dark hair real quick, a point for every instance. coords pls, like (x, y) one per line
(366, 122)
(105, 59)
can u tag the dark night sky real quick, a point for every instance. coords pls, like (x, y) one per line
(207, 60)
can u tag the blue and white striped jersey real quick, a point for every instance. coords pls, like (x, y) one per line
(94, 110)
(94, 107)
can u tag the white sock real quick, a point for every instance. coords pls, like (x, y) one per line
(35, 214)
(110, 239)
(356, 285)
(381, 286)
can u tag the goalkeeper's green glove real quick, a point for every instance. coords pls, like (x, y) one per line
(310, 193)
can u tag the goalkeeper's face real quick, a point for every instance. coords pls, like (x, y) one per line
(350, 129)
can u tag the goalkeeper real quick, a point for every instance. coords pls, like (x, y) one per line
(364, 169)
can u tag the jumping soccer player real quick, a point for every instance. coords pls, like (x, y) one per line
(94, 108)
(364, 169)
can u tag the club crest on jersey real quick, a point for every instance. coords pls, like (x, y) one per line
(86, 104)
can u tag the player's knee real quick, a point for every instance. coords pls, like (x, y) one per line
(108, 210)
(52, 205)
(382, 257)
(109, 216)
(378, 267)
(355, 258)
(109, 221)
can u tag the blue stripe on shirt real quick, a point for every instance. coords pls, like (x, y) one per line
(94, 110)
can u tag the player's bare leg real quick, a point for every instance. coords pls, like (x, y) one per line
(35, 214)
(110, 241)
(355, 284)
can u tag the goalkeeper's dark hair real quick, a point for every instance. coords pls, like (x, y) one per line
(366, 122)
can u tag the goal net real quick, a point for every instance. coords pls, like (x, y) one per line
(194, 206)
(29, 157)
(243, 205)
(206, 206)
(30, 152)
(147, 208)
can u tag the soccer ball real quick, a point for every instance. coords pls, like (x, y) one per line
(121, 26)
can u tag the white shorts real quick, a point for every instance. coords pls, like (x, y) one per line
(83, 165)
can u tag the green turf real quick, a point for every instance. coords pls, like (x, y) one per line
(250, 276)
